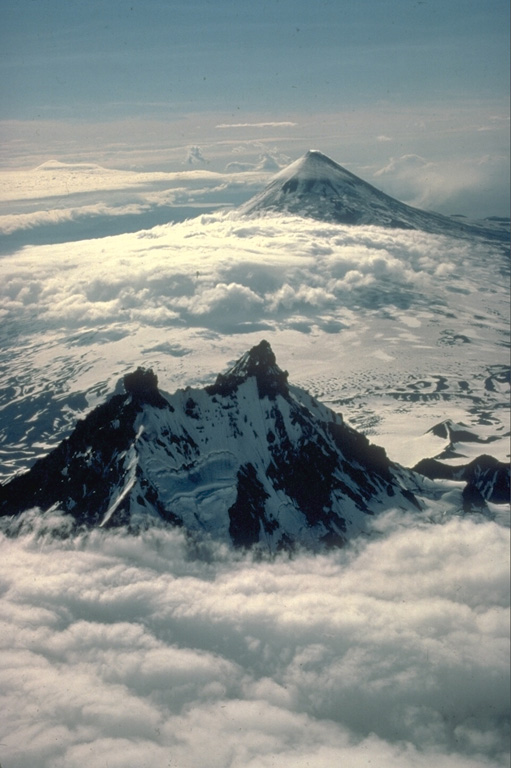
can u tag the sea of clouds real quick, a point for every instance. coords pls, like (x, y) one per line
(189, 298)
(224, 273)
(153, 651)
(123, 651)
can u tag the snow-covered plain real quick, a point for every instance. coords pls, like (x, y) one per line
(127, 651)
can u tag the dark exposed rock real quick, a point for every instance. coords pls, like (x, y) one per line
(434, 469)
(473, 500)
(259, 362)
(247, 513)
(299, 475)
(485, 474)
(142, 385)
(455, 433)
(82, 469)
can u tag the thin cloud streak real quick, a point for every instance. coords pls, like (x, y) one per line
(26, 221)
(270, 124)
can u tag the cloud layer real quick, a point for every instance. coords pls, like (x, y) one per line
(56, 193)
(135, 651)
(205, 270)
(347, 310)
(464, 146)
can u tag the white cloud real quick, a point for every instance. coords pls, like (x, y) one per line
(225, 297)
(221, 266)
(83, 182)
(10, 223)
(269, 124)
(328, 298)
(90, 199)
(451, 186)
(266, 162)
(444, 134)
(195, 156)
(495, 123)
(130, 650)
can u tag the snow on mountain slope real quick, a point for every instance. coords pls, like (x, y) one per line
(399, 329)
(316, 187)
(249, 460)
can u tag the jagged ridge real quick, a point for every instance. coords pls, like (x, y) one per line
(260, 363)
(250, 460)
(486, 478)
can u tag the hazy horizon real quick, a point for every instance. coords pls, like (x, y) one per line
(413, 96)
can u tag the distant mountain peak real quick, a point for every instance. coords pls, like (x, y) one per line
(316, 160)
(315, 186)
(311, 169)
(316, 157)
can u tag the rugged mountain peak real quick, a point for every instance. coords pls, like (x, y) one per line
(142, 385)
(485, 478)
(258, 362)
(250, 460)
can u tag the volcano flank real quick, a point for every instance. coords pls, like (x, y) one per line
(316, 187)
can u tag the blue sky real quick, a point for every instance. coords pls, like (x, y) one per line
(130, 82)
(69, 59)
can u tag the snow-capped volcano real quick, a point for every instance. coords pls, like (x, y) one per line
(316, 187)
(249, 459)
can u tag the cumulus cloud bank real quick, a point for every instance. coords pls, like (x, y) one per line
(214, 266)
(129, 651)
(345, 308)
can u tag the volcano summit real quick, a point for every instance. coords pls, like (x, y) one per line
(316, 187)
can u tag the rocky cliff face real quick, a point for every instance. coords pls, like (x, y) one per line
(250, 460)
